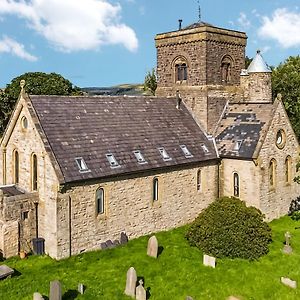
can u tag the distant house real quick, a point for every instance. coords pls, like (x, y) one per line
(78, 171)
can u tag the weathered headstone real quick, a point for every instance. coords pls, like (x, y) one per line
(37, 296)
(110, 244)
(116, 242)
(131, 279)
(287, 249)
(209, 261)
(55, 290)
(140, 291)
(232, 298)
(123, 238)
(188, 298)
(80, 288)
(288, 282)
(5, 271)
(152, 248)
(103, 246)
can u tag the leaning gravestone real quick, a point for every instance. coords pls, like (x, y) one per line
(55, 290)
(152, 248)
(123, 238)
(5, 271)
(209, 261)
(131, 279)
(37, 296)
(288, 282)
(140, 291)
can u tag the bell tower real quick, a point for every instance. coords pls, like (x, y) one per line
(202, 62)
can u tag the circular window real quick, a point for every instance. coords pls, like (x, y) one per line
(24, 122)
(280, 139)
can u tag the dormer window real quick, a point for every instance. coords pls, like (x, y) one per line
(139, 157)
(237, 145)
(112, 160)
(164, 154)
(186, 151)
(81, 165)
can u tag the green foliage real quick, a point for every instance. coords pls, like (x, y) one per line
(228, 228)
(248, 61)
(37, 83)
(296, 215)
(150, 83)
(286, 81)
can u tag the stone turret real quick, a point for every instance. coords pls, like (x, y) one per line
(256, 81)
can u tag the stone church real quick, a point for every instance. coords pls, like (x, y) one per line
(78, 171)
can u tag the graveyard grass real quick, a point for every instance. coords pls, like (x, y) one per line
(175, 274)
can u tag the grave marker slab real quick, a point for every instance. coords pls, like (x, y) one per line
(140, 292)
(37, 296)
(152, 248)
(288, 282)
(209, 261)
(80, 288)
(5, 271)
(131, 279)
(55, 290)
(123, 238)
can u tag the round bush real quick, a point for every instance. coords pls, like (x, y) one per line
(228, 228)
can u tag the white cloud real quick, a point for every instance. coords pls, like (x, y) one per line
(283, 27)
(9, 45)
(243, 20)
(74, 25)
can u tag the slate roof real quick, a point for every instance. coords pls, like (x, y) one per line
(91, 127)
(197, 24)
(241, 128)
(258, 65)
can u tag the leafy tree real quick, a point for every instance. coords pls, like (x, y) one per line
(228, 228)
(248, 61)
(150, 82)
(37, 83)
(286, 81)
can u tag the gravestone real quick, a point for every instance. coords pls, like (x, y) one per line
(288, 282)
(55, 290)
(188, 298)
(103, 246)
(110, 244)
(232, 298)
(209, 261)
(131, 279)
(152, 248)
(123, 238)
(140, 291)
(116, 242)
(287, 249)
(5, 271)
(37, 296)
(80, 288)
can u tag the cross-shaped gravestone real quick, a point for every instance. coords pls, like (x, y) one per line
(140, 291)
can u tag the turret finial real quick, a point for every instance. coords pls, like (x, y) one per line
(22, 85)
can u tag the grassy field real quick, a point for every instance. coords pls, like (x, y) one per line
(176, 273)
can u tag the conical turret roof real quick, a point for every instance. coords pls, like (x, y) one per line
(258, 65)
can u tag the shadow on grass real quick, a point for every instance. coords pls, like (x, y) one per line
(160, 250)
(16, 273)
(70, 295)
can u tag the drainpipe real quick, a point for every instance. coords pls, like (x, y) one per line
(36, 220)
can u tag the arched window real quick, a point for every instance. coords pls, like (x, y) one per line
(34, 173)
(288, 169)
(199, 181)
(226, 67)
(155, 189)
(16, 166)
(272, 173)
(181, 69)
(236, 185)
(100, 201)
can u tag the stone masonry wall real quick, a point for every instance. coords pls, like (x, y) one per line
(26, 142)
(129, 207)
(275, 201)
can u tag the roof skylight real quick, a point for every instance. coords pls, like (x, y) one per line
(112, 160)
(204, 148)
(186, 151)
(237, 145)
(164, 153)
(81, 165)
(139, 157)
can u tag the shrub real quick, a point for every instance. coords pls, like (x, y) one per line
(228, 228)
(294, 206)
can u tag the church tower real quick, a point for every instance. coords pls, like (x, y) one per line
(203, 63)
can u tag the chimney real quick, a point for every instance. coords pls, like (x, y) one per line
(178, 100)
(179, 21)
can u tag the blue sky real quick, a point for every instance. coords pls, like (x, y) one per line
(104, 43)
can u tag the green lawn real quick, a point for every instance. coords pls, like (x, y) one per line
(177, 272)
